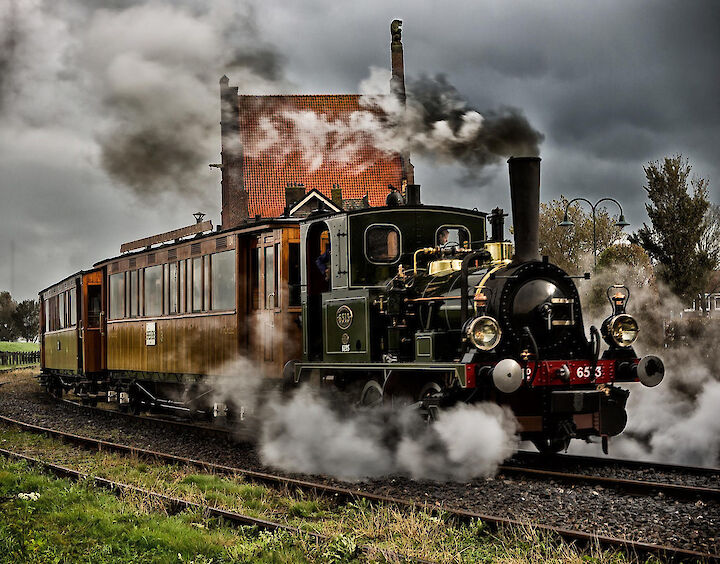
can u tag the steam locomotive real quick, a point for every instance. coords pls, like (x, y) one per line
(409, 305)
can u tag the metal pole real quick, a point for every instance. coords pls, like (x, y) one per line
(593, 208)
(594, 238)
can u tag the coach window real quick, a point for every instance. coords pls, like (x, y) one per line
(382, 243)
(62, 310)
(182, 280)
(206, 283)
(73, 307)
(46, 304)
(153, 290)
(173, 287)
(117, 296)
(197, 292)
(223, 280)
(269, 277)
(134, 302)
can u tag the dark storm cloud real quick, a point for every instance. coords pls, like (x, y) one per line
(10, 36)
(158, 88)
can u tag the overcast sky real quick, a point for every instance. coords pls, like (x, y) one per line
(109, 110)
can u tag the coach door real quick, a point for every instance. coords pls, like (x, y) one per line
(264, 298)
(274, 299)
(93, 322)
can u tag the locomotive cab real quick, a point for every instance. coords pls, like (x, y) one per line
(349, 261)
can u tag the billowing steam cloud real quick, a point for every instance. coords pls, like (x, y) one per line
(677, 420)
(437, 122)
(155, 67)
(140, 77)
(305, 434)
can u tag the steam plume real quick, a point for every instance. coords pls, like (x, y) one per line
(305, 434)
(677, 420)
(437, 123)
(155, 67)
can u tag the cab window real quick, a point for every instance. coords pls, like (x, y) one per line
(451, 235)
(382, 243)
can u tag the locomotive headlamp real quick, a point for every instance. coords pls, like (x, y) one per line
(623, 330)
(484, 332)
(618, 295)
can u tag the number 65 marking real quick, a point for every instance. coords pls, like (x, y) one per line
(584, 372)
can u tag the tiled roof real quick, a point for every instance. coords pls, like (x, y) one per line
(300, 155)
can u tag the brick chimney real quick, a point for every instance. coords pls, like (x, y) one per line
(234, 197)
(397, 86)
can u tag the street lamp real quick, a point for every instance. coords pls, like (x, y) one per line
(620, 222)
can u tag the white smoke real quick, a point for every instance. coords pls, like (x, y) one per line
(308, 431)
(435, 122)
(139, 79)
(305, 434)
(676, 421)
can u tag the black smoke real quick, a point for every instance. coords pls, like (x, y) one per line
(474, 142)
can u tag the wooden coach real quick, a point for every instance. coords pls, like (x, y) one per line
(181, 310)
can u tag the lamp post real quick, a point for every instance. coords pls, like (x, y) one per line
(620, 222)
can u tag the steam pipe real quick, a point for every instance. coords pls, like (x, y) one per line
(525, 198)
(483, 254)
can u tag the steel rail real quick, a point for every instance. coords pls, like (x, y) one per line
(145, 419)
(625, 484)
(605, 461)
(177, 504)
(345, 494)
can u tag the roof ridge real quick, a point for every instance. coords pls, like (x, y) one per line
(296, 95)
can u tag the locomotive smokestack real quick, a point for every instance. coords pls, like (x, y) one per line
(525, 198)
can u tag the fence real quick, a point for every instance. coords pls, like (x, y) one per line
(16, 358)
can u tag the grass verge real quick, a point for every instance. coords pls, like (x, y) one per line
(7, 346)
(65, 526)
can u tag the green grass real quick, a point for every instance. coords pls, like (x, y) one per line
(68, 520)
(6, 346)
(76, 522)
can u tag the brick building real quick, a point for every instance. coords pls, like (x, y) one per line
(272, 166)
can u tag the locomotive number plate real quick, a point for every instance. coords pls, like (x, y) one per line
(584, 372)
(564, 372)
(344, 317)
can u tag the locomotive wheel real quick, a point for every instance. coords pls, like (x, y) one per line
(371, 394)
(429, 389)
(549, 446)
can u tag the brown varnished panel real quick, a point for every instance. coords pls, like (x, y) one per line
(67, 357)
(190, 345)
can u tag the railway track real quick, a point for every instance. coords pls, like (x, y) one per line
(667, 553)
(530, 465)
(176, 504)
(171, 422)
